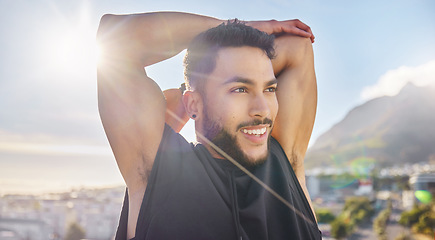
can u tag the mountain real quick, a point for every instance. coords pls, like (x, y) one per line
(386, 131)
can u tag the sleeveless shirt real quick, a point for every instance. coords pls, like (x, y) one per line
(191, 195)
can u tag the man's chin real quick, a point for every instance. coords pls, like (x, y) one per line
(246, 156)
(252, 162)
(233, 149)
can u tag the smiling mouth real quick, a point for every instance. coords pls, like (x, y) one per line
(256, 132)
(256, 127)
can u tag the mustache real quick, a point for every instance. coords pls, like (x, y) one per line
(256, 122)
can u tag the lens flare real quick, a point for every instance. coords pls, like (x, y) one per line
(423, 196)
(362, 166)
(356, 164)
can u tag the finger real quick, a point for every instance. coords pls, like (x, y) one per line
(304, 27)
(297, 31)
(300, 32)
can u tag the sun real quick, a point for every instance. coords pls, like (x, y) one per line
(70, 50)
(70, 44)
(61, 50)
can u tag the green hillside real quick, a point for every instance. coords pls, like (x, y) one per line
(386, 131)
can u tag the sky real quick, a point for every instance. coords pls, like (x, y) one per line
(51, 137)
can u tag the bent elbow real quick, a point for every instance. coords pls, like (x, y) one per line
(106, 22)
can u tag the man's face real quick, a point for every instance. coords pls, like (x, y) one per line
(240, 104)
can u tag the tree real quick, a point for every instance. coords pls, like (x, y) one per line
(380, 223)
(339, 229)
(425, 224)
(324, 216)
(421, 219)
(354, 204)
(356, 210)
(409, 218)
(403, 236)
(75, 232)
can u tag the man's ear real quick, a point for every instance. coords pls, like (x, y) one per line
(193, 104)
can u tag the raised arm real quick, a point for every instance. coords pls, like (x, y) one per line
(297, 88)
(297, 99)
(132, 106)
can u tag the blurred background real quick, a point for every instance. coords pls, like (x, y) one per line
(371, 161)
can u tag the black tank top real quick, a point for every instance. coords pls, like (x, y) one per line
(190, 195)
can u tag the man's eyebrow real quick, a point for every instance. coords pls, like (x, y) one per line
(272, 82)
(237, 79)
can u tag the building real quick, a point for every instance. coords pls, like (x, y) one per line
(24, 229)
(49, 216)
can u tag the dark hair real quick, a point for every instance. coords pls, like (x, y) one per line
(200, 59)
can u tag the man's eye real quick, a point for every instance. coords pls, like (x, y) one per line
(271, 89)
(240, 90)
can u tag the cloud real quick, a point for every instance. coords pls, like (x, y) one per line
(392, 81)
(48, 144)
(34, 148)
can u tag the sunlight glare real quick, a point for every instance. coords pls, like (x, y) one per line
(62, 51)
(98, 53)
(69, 51)
(69, 44)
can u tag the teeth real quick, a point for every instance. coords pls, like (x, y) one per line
(255, 131)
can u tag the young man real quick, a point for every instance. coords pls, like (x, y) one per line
(253, 100)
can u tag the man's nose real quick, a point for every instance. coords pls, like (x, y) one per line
(259, 106)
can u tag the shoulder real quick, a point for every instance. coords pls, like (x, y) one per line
(278, 154)
(173, 142)
(175, 154)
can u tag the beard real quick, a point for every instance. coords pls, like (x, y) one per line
(227, 142)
